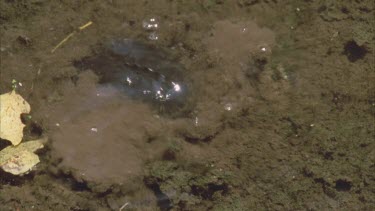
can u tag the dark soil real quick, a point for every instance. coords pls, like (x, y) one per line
(281, 106)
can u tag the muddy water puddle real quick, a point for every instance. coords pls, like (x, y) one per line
(210, 105)
(110, 124)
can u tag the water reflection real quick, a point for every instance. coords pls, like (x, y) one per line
(143, 72)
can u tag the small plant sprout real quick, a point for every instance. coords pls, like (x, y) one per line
(14, 84)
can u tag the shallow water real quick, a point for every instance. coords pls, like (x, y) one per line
(275, 106)
(142, 71)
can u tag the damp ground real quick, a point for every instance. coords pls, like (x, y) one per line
(279, 115)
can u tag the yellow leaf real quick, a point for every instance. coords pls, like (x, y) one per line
(20, 159)
(12, 105)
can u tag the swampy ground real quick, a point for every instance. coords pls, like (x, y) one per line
(282, 115)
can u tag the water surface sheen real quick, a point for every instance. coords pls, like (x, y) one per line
(141, 71)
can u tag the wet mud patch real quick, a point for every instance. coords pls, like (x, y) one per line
(287, 130)
(100, 135)
(105, 130)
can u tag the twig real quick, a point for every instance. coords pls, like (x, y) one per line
(123, 206)
(85, 26)
(71, 35)
(63, 41)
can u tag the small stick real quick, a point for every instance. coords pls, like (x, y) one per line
(85, 26)
(123, 206)
(63, 41)
(71, 35)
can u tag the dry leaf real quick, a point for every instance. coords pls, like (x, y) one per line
(12, 105)
(20, 159)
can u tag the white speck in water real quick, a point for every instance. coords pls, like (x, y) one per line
(19, 83)
(153, 36)
(298, 9)
(94, 129)
(146, 92)
(150, 24)
(176, 87)
(128, 80)
(196, 121)
(57, 125)
(264, 48)
(228, 107)
(159, 95)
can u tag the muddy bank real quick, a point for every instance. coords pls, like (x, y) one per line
(283, 113)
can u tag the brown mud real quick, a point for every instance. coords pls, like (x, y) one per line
(283, 115)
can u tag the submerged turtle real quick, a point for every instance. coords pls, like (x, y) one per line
(141, 71)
